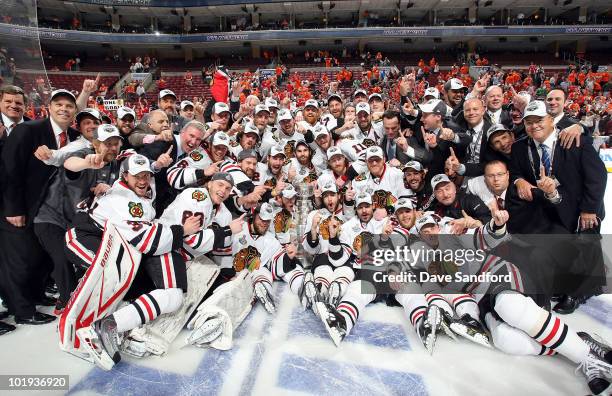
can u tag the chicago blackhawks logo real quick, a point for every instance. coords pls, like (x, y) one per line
(247, 258)
(282, 221)
(442, 267)
(324, 227)
(136, 209)
(289, 150)
(196, 155)
(199, 195)
(368, 142)
(383, 199)
(270, 182)
(364, 239)
(361, 177)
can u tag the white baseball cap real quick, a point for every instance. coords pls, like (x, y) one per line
(334, 150)
(535, 108)
(329, 186)
(166, 92)
(363, 198)
(362, 106)
(432, 91)
(136, 164)
(105, 132)
(439, 178)
(261, 107)
(62, 92)
(284, 114)
(319, 131)
(289, 191)
(334, 96)
(88, 111)
(221, 139)
(311, 102)
(374, 151)
(266, 212)
(250, 128)
(454, 83)
(186, 103)
(404, 203)
(360, 92)
(270, 102)
(416, 165)
(428, 219)
(277, 150)
(435, 106)
(375, 95)
(124, 111)
(221, 107)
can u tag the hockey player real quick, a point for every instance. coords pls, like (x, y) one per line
(129, 206)
(245, 140)
(300, 168)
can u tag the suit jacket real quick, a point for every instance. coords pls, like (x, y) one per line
(3, 137)
(476, 169)
(581, 173)
(505, 118)
(165, 194)
(25, 179)
(420, 153)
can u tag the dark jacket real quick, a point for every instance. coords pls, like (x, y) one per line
(165, 194)
(471, 204)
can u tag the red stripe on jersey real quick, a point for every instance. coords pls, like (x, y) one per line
(144, 302)
(168, 270)
(553, 332)
(432, 296)
(148, 239)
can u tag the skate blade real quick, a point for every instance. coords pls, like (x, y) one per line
(447, 330)
(322, 310)
(462, 330)
(100, 357)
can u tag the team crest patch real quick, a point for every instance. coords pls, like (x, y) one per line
(364, 239)
(360, 177)
(282, 221)
(196, 155)
(383, 199)
(324, 227)
(247, 258)
(136, 209)
(233, 143)
(368, 142)
(199, 195)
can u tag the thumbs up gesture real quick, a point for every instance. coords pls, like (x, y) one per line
(545, 183)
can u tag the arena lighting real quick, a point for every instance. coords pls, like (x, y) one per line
(157, 33)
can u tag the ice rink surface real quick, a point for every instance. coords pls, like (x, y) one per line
(289, 353)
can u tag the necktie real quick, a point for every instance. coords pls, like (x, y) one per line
(390, 150)
(63, 138)
(545, 158)
(500, 203)
(493, 118)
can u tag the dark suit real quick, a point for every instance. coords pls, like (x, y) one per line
(477, 168)
(420, 153)
(25, 181)
(165, 194)
(504, 118)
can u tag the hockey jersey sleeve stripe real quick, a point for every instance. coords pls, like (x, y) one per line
(144, 247)
(146, 305)
(168, 269)
(140, 312)
(156, 239)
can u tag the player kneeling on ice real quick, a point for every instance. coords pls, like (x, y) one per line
(258, 251)
(127, 207)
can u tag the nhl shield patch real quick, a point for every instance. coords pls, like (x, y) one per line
(199, 195)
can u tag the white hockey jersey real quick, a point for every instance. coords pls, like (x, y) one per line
(322, 243)
(255, 251)
(353, 235)
(385, 190)
(302, 172)
(183, 173)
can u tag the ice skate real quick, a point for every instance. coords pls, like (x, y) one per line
(445, 324)
(603, 351)
(308, 292)
(598, 374)
(334, 322)
(473, 330)
(333, 297)
(429, 327)
(264, 297)
(100, 339)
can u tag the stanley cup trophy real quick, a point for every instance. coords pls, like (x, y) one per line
(303, 206)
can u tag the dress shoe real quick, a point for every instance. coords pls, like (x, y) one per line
(36, 319)
(6, 328)
(567, 305)
(46, 301)
(59, 308)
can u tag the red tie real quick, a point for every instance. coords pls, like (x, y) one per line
(500, 203)
(63, 138)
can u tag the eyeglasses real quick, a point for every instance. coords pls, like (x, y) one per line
(539, 122)
(496, 175)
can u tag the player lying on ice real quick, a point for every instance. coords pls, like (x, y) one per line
(517, 324)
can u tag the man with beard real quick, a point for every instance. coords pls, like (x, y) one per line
(311, 117)
(417, 186)
(271, 173)
(261, 116)
(273, 108)
(454, 93)
(246, 139)
(200, 164)
(330, 281)
(338, 172)
(300, 168)
(333, 119)
(364, 128)
(167, 103)
(248, 189)
(382, 182)
(126, 120)
(323, 142)
(377, 106)
(285, 136)
(468, 210)
(86, 173)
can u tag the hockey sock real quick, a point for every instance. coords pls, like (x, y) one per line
(464, 304)
(295, 279)
(323, 275)
(344, 276)
(353, 302)
(512, 340)
(548, 330)
(438, 299)
(148, 307)
(414, 305)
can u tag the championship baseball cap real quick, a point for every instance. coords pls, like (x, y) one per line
(319, 131)
(435, 106)
(88, 112)
(289, 191)
(250, 128)
(105, 132)
(438, 179)
(284, 114)
(166, 92)
(270, 102)
(363, 198)
(454, 83)
(360, 92)
(277, 150)
(221, 139)
(62, 92)
(496, 128)
(362, 106)
(373, 152)
(334, 150)
(125, 111)
(403, 203)
(136, 164)
(375, 95)
(301, 142)
(329, 186)
(334, 96)
(244, 154)
(416, 165)
(425, 220)
(312, 103)
(535, 108)
(220, 107)
(266, 212)
(223, 176)
(261, 107)
(432, 92)
(186, 103)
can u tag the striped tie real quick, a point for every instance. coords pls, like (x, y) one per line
(545, 158)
